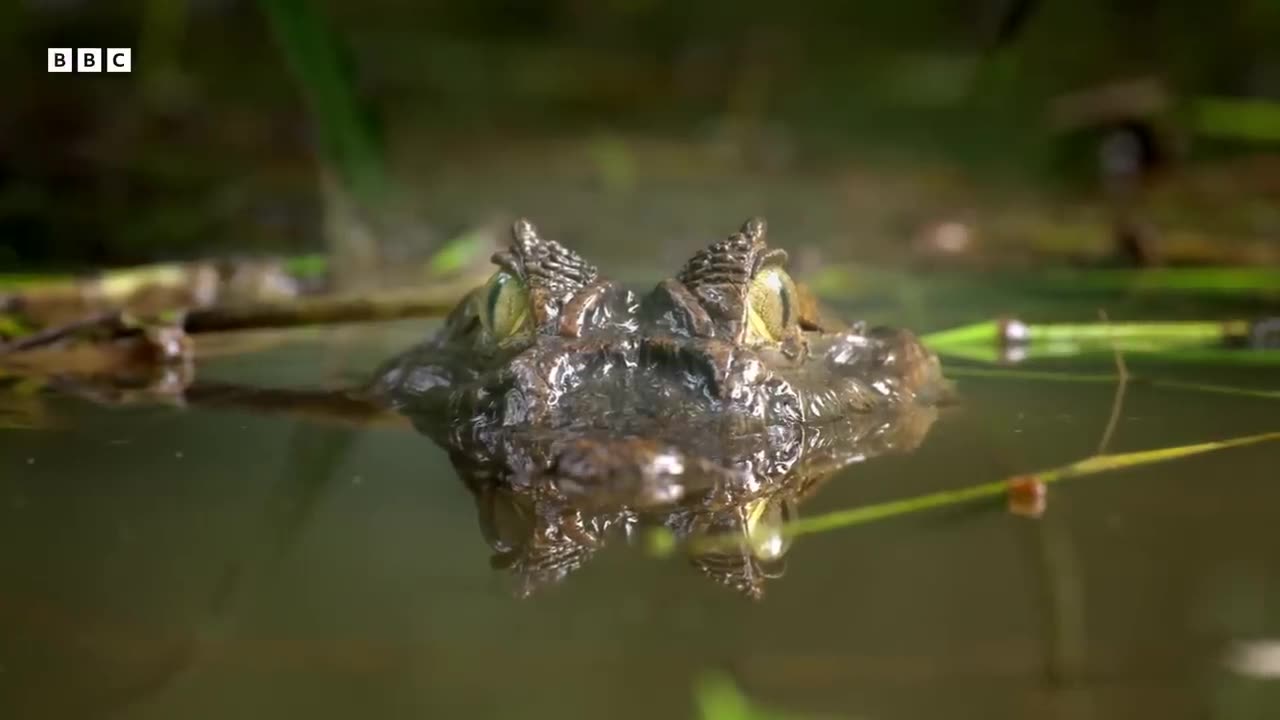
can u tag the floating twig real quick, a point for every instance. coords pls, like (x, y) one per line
(56, 349)
(391, 305)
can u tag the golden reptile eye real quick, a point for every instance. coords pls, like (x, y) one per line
(771, 304)
(504, 305)
(766, 527)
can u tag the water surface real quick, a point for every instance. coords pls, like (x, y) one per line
(166, 562)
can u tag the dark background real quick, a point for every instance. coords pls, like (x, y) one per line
(217, 139)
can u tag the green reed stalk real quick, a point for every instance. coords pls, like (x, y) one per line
(1092, 465)
(1176, 333)
(343, 126)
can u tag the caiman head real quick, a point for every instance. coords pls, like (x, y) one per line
(725, 384)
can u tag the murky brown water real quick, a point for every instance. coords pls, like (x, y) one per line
(209, 563)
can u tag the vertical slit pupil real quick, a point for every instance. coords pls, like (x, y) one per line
(495, 293)
(785, 299)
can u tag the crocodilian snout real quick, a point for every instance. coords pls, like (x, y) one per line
(881, 368)
(601, 472)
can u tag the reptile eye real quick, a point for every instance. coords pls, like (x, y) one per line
(766, 528)
(771, 304)
(504, 306)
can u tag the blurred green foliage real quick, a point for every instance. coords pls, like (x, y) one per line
(718, 698)
(345, 133)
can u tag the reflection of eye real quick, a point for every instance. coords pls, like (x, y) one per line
(766, 523)
(504, 306)
(771, 303)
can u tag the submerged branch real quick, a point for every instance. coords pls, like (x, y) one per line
(327, 310)
(112, 322)
(390, 305)
(347, 407)
(327, 406)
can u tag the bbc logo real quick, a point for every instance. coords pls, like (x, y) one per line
(90, 60)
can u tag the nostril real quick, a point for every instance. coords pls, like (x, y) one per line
(849, 350)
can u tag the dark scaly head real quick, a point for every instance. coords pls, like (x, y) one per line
(744, 287)
(536, 281)
(731, 335)
(736, 290)
(540, 288)
(543, 319)
(759, 346)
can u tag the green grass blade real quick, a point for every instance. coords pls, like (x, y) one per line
(1155, 333)
(343, 126)
(841, 519)
(987, 332)
(992, 355)
(1106, 463)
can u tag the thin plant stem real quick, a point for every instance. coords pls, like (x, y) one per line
(1091, 465)
(1117, 403)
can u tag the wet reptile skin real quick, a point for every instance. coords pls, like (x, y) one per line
(612, 411)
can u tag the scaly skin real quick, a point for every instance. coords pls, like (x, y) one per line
(609, 410)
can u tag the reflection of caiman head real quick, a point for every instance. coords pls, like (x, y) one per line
(570, 407)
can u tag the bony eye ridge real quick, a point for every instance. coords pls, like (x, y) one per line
(771, 304)
(504, 305)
